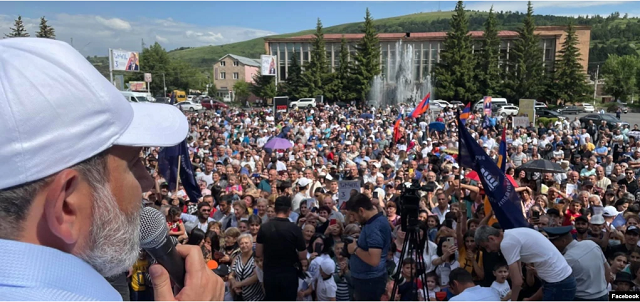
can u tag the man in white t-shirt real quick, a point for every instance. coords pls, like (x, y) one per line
(326, 287)
(462, 286)
(529, 246)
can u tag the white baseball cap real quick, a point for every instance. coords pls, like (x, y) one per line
(303, 181)
(57, 110)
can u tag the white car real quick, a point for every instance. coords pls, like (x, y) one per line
(588, 107)
(303, 103)
(189, 105)
(508, 110)
(539, 105)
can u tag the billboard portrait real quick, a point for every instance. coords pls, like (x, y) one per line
(487, 106)
(268, 65)
(123, 60)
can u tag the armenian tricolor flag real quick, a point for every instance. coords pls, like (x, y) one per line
(466, 112)
(422, 107)
(396, 129)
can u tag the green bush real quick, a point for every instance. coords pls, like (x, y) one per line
(548, 122)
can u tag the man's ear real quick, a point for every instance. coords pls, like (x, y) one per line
(64, 204)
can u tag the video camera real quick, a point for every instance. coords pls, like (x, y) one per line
(409, 206)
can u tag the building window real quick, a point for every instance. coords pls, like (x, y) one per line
(236, 63)
(223, 75)
(222, 63)
(236, 76)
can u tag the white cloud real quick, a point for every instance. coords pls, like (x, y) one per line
(94, 35)
(161, 39)
(114, 23)
(521, 6)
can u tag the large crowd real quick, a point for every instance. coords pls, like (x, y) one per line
(583, 240)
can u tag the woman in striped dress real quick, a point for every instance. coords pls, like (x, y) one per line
(243, 279)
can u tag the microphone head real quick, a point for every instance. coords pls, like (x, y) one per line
(153, 228)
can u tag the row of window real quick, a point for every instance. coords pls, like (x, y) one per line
(235, 63)
(223, 75)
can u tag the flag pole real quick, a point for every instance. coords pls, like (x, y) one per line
(178, 176)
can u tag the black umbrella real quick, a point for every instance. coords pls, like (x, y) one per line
(542, 166)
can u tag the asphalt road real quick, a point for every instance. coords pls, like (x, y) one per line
(631, 118)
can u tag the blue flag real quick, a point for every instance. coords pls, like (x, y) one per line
(168, 166)
(173, 98)
(502, 195)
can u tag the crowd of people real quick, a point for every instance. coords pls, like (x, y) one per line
(272, 222)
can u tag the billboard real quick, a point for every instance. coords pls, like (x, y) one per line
(124, 60)
(527, 109)
(268, 65)
(137, 86)
(487, 106)
(281, 103)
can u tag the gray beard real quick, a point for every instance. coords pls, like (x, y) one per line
(114, 239)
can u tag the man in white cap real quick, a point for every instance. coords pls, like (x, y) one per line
(71, 179)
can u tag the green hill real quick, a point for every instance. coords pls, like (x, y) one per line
(204, 57)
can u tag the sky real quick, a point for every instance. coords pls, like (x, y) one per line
(97, 26)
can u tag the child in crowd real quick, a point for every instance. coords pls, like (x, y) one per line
(326, 287)
(432, 285)
(174, 223)
(407, 290)
(304, 285)
(617, 262)
(624, 282)
(501, 272)
(342, 276)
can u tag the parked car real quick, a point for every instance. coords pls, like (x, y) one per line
(508, 110)
(540, 105)
(597, 119)
(341, 104)
(588, 108)
(190, 97)
(189, 105)
(213, 104)
(547, 113)
(457, 104)
(569, 110)
(163, 100)
(614, 108)
(303, 103)
(441, 104)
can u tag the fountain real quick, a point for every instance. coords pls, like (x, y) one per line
(399, 85)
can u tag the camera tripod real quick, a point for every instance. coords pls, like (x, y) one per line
(411, 246)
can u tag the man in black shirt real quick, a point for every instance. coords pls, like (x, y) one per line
(281, 245)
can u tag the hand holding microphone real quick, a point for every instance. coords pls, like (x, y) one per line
(183, 264)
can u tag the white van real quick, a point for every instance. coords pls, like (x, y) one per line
(135, 97)
(479, 105)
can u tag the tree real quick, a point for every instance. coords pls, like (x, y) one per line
(156, 61)
(570, 79)
(212, 91)
(316, 70)
(294, 84)
(18, 30)
(46, 31)
(242, 91)
(340, 88)
(367, 59)
(526, 73)
(488, 70)
(619, 73)
(264, 87)
(455, 72)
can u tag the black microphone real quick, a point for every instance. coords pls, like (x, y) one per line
(155, 240)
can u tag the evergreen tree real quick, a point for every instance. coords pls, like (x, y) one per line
(264, 87)
(525, 78)
(156, 60)
(46, 31)
(488, 70)
(367, 59)
(316, 70)
(18, 30)
(340, 88)
(619, 73)
(294, 84)
(455, 73)
(570, 79)
(242, 91)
